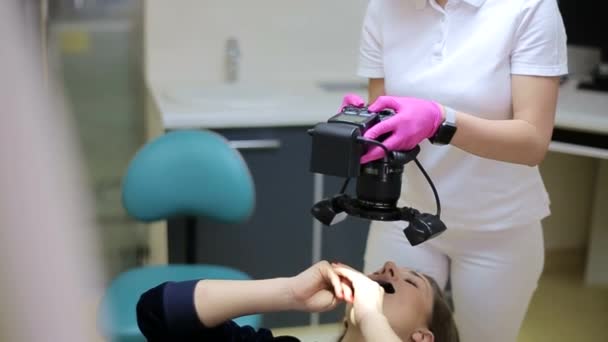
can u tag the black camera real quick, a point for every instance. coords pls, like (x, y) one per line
(337, 147)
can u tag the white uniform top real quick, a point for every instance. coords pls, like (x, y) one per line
(463, 56)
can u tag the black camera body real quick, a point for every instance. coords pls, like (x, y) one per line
(337, 148)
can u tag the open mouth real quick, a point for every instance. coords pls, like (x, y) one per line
(388, 287)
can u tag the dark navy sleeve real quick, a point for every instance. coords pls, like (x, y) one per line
(167, 313)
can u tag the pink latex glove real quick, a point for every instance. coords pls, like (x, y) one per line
(414, 120)
(352, 100)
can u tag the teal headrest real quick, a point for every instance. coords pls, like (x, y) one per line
(188, 173)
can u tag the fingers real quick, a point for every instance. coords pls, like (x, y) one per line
(356, 278)
(349, 273)
(374, 153)
(345, 285)
(335, 282)
(348, 291)
(352, 99)
(373, 133)
(377, 130)
(384, 102)
(367, 295)
(329, 274)
(393, 142)
(337, 264)
(323, 301)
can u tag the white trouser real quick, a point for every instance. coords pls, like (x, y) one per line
(493, 274)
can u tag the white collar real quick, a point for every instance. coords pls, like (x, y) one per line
(420, 4)
(476, 3)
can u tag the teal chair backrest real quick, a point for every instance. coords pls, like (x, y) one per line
(181, 173)
(188, 173)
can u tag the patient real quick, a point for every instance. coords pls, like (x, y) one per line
(392, 304)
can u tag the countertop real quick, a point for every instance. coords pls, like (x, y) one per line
(251, 105)
(582, 110)
(202, 106)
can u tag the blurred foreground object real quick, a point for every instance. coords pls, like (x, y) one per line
(47, 250)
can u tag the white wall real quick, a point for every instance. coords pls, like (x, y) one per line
(279, 39)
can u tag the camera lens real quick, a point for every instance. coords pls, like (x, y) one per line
(379, 185)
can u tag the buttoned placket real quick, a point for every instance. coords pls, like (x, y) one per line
(438, 52)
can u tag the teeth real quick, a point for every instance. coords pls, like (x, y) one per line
(388, 287)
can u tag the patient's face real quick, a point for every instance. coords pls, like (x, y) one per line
(408, 299)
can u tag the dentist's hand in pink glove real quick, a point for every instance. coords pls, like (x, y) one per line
(414, 120)
(352, 100)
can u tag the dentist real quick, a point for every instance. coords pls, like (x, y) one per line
(475, 83)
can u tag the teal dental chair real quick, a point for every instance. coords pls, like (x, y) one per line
(182, 173)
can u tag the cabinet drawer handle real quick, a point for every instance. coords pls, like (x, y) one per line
(261, 144)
